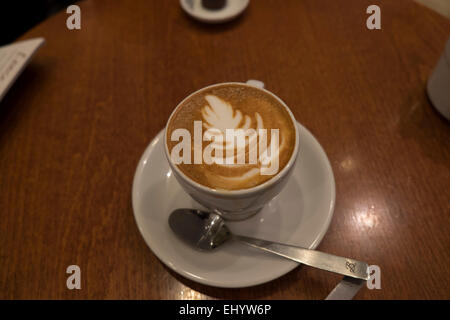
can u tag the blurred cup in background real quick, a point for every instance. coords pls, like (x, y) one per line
(438, 86)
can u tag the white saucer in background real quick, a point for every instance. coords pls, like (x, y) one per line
(232, 9)
(299, 215)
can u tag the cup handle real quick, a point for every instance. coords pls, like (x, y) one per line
(256, 83)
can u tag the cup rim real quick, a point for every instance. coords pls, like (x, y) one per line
(239, 192)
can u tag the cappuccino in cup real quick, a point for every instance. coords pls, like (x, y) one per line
(231, 137)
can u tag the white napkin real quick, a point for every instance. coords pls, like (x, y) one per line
(13, 59)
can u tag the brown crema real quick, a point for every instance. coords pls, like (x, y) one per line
(232, 106)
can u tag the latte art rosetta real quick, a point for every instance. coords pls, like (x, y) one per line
(236, 136)
(230, 137)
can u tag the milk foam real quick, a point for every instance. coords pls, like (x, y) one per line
(218, 116)
(226, 137)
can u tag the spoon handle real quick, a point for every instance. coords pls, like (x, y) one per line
(325, 261)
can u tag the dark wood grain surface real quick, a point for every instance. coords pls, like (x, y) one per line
(76, 122)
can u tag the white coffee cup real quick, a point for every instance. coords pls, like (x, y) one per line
(438, 86)
(236, 204)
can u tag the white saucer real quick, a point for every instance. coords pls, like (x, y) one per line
(299, 215)
(232, 9)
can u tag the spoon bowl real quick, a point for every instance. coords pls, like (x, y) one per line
(200, 229)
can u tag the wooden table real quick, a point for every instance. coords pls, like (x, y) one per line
(76, 122)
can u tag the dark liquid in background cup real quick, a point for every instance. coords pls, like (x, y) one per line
(214, 4)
